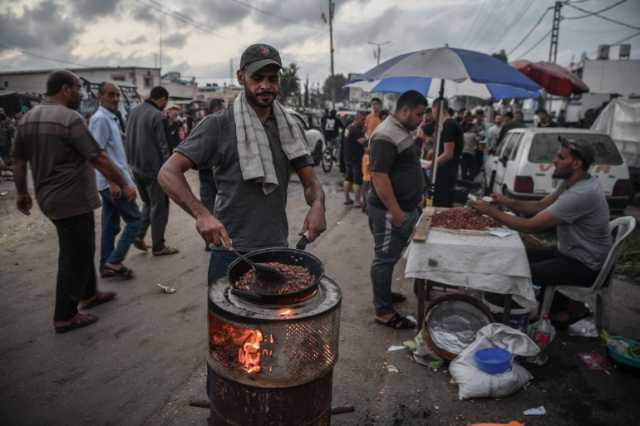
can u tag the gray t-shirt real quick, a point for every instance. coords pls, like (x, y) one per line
(254, 220)
(583, 233)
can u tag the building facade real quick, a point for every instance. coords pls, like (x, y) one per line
(34, 82)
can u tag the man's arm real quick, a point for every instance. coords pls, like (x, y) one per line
(540, 222)
(384, 189)
(315, 222)
(110, 171)
(23, 199)
(161, 138)
(174, 183)
(528, 208)
(447, 153)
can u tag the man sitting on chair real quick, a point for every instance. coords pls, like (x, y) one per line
(579, 210)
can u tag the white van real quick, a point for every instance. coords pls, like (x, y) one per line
(522, 165)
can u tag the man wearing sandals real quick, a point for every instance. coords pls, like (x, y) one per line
(398, 186)
(55, 141)
(105, 129)
(147, 149)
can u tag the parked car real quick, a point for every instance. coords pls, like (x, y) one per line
(315, 138)
(522, 165)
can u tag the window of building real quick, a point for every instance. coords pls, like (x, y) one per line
(148, 82)
(117, 77)
(6, 84)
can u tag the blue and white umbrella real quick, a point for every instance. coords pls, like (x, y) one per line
(427, 87)
(465, 72)
(455, 65)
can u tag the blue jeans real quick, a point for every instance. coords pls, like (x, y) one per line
(390, 241)
(219, 261)
(112, 211)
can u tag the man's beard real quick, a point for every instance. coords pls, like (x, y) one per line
(255, 100)
(557, 174)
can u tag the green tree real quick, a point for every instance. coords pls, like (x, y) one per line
(289, 82)
(502, 55)
(336, 82)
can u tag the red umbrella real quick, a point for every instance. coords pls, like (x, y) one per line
(553, 78)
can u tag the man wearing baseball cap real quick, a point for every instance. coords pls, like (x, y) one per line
(251, 148)
(578, 209)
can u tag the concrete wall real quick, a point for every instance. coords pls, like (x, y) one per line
(612, 76)
(35, 82)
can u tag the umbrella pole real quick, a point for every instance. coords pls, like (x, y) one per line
(438, 131)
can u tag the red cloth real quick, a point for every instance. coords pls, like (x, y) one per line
(553, 78)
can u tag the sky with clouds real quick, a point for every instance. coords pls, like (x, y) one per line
(201, 37)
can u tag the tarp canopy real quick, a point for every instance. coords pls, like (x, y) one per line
(621, 120)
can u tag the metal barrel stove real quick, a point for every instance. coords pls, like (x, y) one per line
(271, 359)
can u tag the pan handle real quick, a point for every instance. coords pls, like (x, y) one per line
(303, 242)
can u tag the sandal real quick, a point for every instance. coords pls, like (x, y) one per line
(79, 320)
(397, 297)
(166, 251)
(123, 272)
(348, 202)
(100, 298)
(397, 322)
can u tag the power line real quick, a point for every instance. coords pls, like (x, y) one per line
(183, 18)
(537, 43)
(597, 14)
(519, 16)
(531, 30)
(473, 26)
(46, 58)
(267, 13)
(596, 11)
(625, 39)
(483, 29)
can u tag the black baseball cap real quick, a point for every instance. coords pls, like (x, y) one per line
(258, 56)
(581, 149)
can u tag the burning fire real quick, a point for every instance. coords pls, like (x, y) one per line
(237, 344)
(249, 353)
(285, 312)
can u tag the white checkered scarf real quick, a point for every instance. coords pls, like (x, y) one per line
(254, 152)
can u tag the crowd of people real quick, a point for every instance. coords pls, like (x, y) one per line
(247, 152)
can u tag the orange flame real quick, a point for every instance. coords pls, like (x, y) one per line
(285, 312)
(248, 341)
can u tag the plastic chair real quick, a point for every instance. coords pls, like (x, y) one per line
(621, 228)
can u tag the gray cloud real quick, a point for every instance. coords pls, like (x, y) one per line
(143, 13)
(176, 40)
(91, 9)
(218, 13)
(136, 40)
(42, 26)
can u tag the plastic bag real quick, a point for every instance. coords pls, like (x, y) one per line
(474, 383)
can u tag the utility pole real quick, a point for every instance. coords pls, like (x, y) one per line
(160, 50)
(555, 32)
(377, 53)
(332, 6)
(231, 71)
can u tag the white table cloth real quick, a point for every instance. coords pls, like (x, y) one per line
(481, 262)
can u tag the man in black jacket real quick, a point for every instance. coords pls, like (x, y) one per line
(147, 149)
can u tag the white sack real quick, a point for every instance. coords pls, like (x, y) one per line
(474, 383)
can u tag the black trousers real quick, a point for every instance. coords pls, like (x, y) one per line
(76, 267)
(548, 267)
(445, 183)
(155, 210)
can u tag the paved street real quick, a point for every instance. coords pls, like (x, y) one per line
(145, 359)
